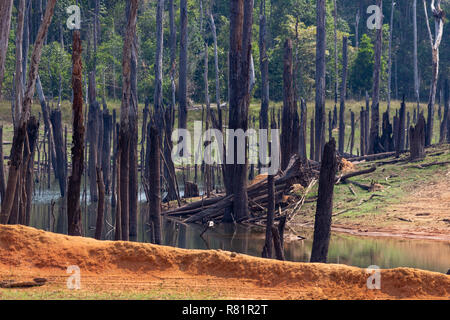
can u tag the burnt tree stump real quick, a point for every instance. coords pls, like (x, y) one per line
(322, 224)
(417, 139)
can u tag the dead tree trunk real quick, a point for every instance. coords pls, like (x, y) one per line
(342, 95)
(33, 140)
(320, 79)
(74, 189)
(288, 131)
(106, 150)
(182, 114)
(92, 137)
(438, 14)
(416, 64)
(241, 22)
(19, 134)
(267, 250)
(5, 26)
(322, 225)
(100, 206)
(352, 133)
(125, 110)
(445, 119)
(417, 139)
(264, 65)
(154, 183)
(400, 145)
(362, 142)
(55, 118)
(311, 139)
(303, 126)
(375, 121)
(2, 169)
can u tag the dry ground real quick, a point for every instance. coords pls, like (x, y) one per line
(128, 270)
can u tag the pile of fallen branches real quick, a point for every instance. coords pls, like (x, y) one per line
(297, 172)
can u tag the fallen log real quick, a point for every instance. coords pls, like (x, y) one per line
(355, 174)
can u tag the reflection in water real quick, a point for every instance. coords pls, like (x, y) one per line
(344, 249)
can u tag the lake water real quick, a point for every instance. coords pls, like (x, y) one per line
(48, 214)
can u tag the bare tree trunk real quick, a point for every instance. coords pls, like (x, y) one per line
(55, 117)
(390, 57)
(19, 134)
(100, 206)
(303, 129)
(336, 83)
(182, 121)
(362, 121)
(19, 85)
(267, 251)
(154, 183)
(320, 79)
(33, 140)
(288, 146)
(375, 121)
(5, 26)
(264, 66)
(106, 150)
(444, 124)
(342, 95)
(241, 21)
(322, 225)
(438, 14)
(416, 64)
(2, 169)
(92, 137)
(417, 139)
(400, 145)
(125, 134)
(74, 189)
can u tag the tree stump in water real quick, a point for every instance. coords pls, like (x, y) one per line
(417, 139)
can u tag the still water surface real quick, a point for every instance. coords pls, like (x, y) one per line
(48, 214)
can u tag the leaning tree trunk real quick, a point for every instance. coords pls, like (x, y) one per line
(375, 121)
(125, 134)
(320, 79)
(438, 14)
(19, 134)
(5, 26)
(322, 225)
(342, 96)
(74, 189)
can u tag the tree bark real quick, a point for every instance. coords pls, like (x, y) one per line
(264, 66)
(241, 21)
(320, 79)
(182, 120)
(19, 134)
(73, 194)
(342, 95)
(445, 119)
(154, 183)
(125, 110)
(322, 225)
(5, 26)
(375, 121)
(100, 206)
(417, 139)
(416, 64)
(55, 117)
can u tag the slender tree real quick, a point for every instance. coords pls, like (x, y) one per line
(125, 134)
(342, 95)
(320, 79)
(416, 64)
(435, 42)
(182, 90)
(5, 26)
(375, 120)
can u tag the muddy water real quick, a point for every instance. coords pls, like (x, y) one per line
(48, 213)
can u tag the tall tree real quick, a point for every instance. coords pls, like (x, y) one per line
(438, 15)
(5, 26)
(264, 66)
(324, 210)
(241, 21)
(390, 56)
(73, 195)
(20, 133)
(375, 120)
(416, 64)
(124, 133)
(320, 78)
(18, 79)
